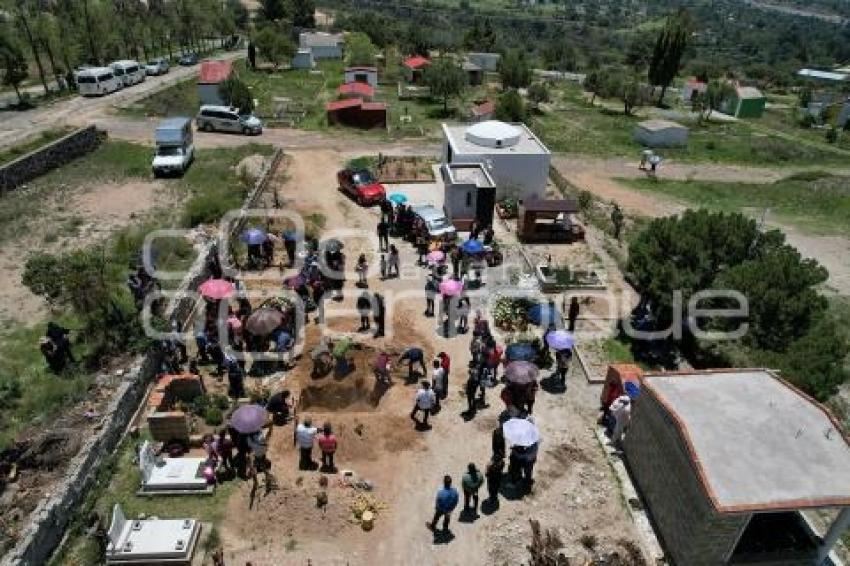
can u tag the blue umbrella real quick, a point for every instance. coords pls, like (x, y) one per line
(290, 235)
(544, 314)
(560, 340)
(254, 236)
(523, 352)
(398, 198)
(472, 247)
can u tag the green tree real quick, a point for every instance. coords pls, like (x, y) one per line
(274, 10)
(537, 94)
(446, 79)
(14, 65)
(639, 52)
(303, 13)
(25, 15)
(669, 47)
(510, 107)
(559, 54)
(481, 36)
(805, 97)
(274, 46)
(236, 93)
(703, 103)
(515, 70)
(780, 287)
(594, 83)
(359, 49)
(626, 87)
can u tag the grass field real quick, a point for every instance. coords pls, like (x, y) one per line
(576, 127)
(299, 97)
(818, 202)
(29, 393)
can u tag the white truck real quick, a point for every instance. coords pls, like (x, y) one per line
(174, 147)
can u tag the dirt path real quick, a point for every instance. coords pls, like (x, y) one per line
(597, 176)
(575, 492)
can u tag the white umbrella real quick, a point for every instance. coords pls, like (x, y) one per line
(520, 432)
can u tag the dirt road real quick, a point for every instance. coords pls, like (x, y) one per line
(575, 492)
(18, 126)
(598, 176)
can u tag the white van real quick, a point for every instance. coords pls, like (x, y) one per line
(131, 72)
(96, 81)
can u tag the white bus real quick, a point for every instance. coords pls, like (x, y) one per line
(96, 81)
(130, 72)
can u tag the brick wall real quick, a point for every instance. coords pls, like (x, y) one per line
(692, 533)
(51, 156)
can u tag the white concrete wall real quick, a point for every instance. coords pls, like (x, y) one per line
(523, 176)
(371, 77)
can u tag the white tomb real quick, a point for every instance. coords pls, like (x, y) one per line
(151, 542)
(171, 476)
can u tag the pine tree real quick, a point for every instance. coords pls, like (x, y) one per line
(669, 48)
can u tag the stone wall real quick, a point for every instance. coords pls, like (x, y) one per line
(662, 469)
(48, 522)
(51, 156)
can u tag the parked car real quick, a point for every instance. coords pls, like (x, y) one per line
(131, 72)
(433, 222)
(158, 66)
(188, 59)
(174, 147)
(360, 185)
(227, 119)
(96, 81)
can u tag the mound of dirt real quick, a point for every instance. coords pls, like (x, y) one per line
(347, 395)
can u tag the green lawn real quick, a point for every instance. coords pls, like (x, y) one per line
(604, 131)
(11, 153)
(818, 202)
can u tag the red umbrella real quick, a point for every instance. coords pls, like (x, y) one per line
(216, 289)
(451, 287)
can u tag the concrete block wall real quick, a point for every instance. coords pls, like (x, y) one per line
(691, 531)
(168, 426)
(51, 156)
(48, 521)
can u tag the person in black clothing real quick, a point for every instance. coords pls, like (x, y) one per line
(474, 230)
(364, 307)
(289, 245)
(498, 443)
(380, 313)
(213, 263)
(252, 55)
(383, 235)
(471, 389)
(59, 336)
(572, 314)
(493, 473)
(488, 235)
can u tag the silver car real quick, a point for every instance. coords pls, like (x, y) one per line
(435, 222)
(227, 119)
(158, 66)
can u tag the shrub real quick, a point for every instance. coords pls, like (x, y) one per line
(213, 416)
(585, 200)
(831, 135)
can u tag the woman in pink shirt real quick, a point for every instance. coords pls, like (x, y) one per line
(327, 444)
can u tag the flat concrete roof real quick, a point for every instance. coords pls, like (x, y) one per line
(528, 144)
(470, 173)
(757, 443)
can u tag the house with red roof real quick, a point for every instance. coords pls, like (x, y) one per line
(358, 113)
(210, 75)
(413, 68)
(691, 88)
(355, 90)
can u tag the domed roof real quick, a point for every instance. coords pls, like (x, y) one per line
(493, 133)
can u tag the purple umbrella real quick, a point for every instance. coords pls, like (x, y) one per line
(451, 287)
(435, 257)
(248, 419)
(521, 373)
(560, 340)
(254, 236)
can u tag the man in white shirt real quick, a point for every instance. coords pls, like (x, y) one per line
(438, 378)
(621, 412)
(305, 434)
(425, 402)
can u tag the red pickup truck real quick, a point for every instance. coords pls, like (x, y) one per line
(361, 186)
